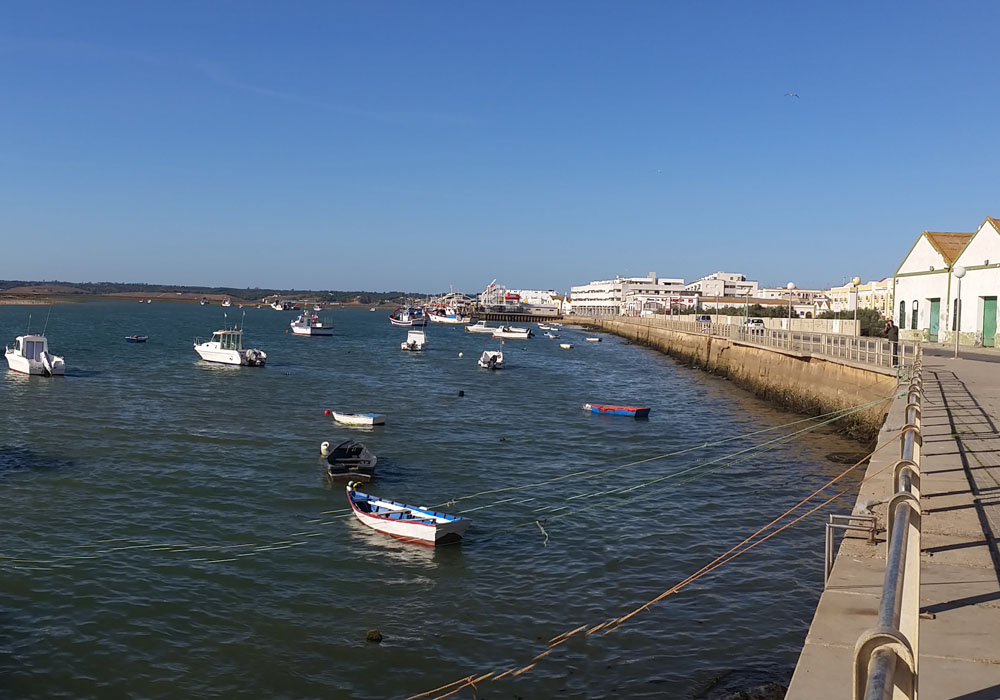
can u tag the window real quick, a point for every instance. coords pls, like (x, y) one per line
(902, 314)
(914, 326)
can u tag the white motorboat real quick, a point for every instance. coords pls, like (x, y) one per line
(550, 334)
(448, 315)
(282, 305)
(415, 340)
(226, 347)
(30, 355)
(491, 359)
(310, 324)
(480, 327)
(512, 332)
(317, 307)
(593, 340)
(544, 327)
(226, 302)
(359, 418)
(565, 346)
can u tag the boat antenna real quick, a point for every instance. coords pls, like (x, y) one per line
(243, 321)
(47, 320)
(28, 332)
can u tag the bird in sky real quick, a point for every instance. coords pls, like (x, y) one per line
(792, 94)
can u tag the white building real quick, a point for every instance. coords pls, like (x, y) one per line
(723, 284)
(979, 287)
(642, 304)
(607, 297)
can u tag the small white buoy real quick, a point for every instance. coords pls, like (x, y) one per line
(461, 354)
(324, 449)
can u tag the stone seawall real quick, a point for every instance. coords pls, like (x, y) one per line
(800, 382)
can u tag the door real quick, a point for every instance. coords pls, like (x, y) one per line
(935, 319)
(989, 321)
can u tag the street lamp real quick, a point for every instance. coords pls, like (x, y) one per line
(959, 274)
(855, 282)
(791, 288)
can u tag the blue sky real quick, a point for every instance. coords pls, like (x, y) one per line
(414, 146)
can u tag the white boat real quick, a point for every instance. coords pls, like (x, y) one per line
(372, 309)
(359, 418)
(418, 524)
(415, 340)
(226, 347)
(491, 359)
(317, 307)
(565, 346)
(309, 324)
(408, 317)
(282, 305)
(448, 316)
(512, 333)
(593, 340)
(550, 334)
(203, 301)
(30, 355)
(544, 327)
(480, 327)
(226, 302)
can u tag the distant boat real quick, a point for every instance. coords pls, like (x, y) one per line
(415, 341)
(359, 418)
(226, 347)
(309, 324)
(372, 309)
(203, 301)
(633, 411)
(136, 338)
(350, 460)
(30, 355)
(226, 302)
(317, 307)
(408, 316)
(593, 340)
(491, 359)
(413, 523)
(550, 334)
(448, 315)
(480, 327)
(565, 346)
(512, 333)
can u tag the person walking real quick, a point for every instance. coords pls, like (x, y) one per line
(892, 335)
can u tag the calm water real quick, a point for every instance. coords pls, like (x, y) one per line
(145, 445)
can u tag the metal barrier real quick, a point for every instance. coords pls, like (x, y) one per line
(868, 351)
(886, 656)
(845, 522)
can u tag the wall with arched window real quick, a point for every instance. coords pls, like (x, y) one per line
(902, 314)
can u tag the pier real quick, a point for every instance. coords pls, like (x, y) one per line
(513, 318)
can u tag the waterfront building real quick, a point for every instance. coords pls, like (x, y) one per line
(607, 297)
(876, 295)
(799, 296)
(980, 286)
(723, 284)
(923, 280)
(644, 304)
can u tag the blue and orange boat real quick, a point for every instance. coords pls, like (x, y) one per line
(136, 338)
(632, 411)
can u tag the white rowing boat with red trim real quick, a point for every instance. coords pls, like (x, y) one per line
(414, 523)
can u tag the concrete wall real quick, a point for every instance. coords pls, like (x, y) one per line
(800, 382)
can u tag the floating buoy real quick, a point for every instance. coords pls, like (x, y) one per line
(327, 412)
(324, 449)
(461, 393)
(373, 636)
(460, 354)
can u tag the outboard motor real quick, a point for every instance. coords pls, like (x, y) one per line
(46, 364)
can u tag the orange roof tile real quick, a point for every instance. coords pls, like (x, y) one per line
(950, 245)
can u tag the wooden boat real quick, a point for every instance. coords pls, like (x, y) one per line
(350, 460)
(412, 523)
(359, 418)
(408, 317)
(593, 340)
(491, 359)
(512, 333)
(136, 338)
(633, 411)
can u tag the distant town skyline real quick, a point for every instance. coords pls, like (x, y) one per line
(384, 146)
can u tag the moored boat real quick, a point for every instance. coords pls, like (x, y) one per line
(550, 334)
(593, 340)
(310, 324)
(491, 359)
(417, 524)
(415, 341)
(480, 327)
(512, 333)
(30, 355)
(226, 347)
(408, 316)
(359, 418)
(447, 316)
(349, 460)
(136, 338)
(633, 411)
(566, 346)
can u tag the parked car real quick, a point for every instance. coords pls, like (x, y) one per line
(755, 326)
(702, 319)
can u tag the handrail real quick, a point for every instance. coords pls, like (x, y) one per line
(886, 656)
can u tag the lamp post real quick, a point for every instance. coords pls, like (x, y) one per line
(791, 288)
(959, 274)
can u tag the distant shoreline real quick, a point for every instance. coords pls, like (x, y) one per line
(183, 298)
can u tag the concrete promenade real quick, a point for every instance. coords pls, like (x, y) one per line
(960, 565)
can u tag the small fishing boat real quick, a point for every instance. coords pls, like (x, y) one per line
(448, 315)
(417, 524)
(415, 341)
(349, 460)
(136, 338)
(30, 355)
(566, 346)
(317, 307)
(408, 316)
(544, 327)
(226, 303)
(550, 334)
(226, 347)
(633, 411)
(512, 333)
(491, 359)
(310, 324)
(480, 327)
(359, 418)
(203, 301)
(593, 340)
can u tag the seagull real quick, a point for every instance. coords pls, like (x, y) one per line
(791, 94)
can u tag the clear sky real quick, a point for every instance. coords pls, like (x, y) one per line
(418, 145)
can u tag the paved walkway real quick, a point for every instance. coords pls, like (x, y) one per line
(960, 562)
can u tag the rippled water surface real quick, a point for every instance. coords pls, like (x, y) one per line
(165, 531)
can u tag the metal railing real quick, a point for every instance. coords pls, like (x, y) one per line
(869, 525)
(885, 657)
(868, 351)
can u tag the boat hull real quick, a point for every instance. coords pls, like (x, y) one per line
(23, 365)
(247, 358)
(407, 522)
(359, 418)
(454, 320)
(312, 331)
(630, 411)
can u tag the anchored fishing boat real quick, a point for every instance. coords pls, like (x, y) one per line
(415, 341)
(136, 338)
(408, 316)
(30, 355)
(310, 324)
(359, 418)
(448, 315)
(350, 459)
(633, 411)
(491, 359)
(414, 523)
(226, 347)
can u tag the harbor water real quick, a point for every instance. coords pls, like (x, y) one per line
(168, 529)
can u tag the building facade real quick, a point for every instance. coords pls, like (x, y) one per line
(607, 297)
(723, 284)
